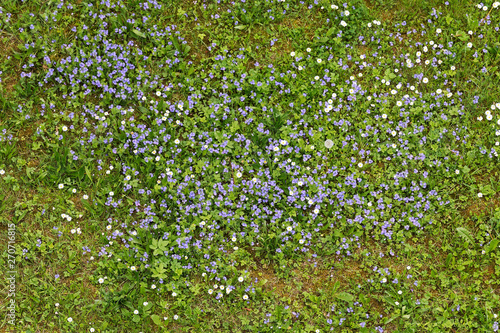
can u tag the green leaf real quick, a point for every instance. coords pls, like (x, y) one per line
(465, 234)
(240, 27)
(493, 244)
(138, 33)
(345, 296)
(156, 319)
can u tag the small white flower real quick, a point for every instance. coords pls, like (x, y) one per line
(92, 329)
(397, 303)
(136, 311)
(457, 171)
(360, 164)
(308, 49)
(384, 280)
(300, 68)
(292, 54)
(301, 241)
(177, 141)
(101, 280)
(239, 174)
(438, 30)
(400, 292)
(425, 80)
(319, 61)
(85, 197)
(70, 319)
(343, 23)
(469, 45)
(65, 128)
(245, 297)
(153, 286)
(158, 93)
(480, 195)
(73, 231)
(144, 98)
(316, 211)
(328, 143)
(346, 13)
(334, 7)
(174, 294)
(133, 268)
(240, 279)
(145, 303)
(57, 305)
(210, 291)
(369, 25)
(61, 186)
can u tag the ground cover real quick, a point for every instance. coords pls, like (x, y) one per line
(250, 166)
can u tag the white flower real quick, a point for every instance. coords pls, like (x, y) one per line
(2, 172)
(292, 54)
(210, 291)
(369, 25)
(239, 174)
(85, 197)
(457, 171)
(276, 148)
(394, 133)
(316, 211)
(301, 241)
(153, 286)
(384, 116)
(480, 195)
(328, 143)
(65, 128)
(92, 329)
(240, 279)
(174, 294)
(334, 7)
(57, 305)
(469, 45)
(145, 303)
(61, 186)
(233, 239)
(316, 78)
(136, 311)
(384, 280)
(73, 231)
(301, 68)
(101, 280)
(133, 268)
(360, 164)
(176, 141)
(319, 60)
(70, 319)
(397, 303)
(425, 80)
(400, 292)
(158, 93)
(312, 147)
(346, 13)
(308, 49)
(343, 23)
(111, 194)
(144, 98)
(438, 30)
(489, 117)
(495, 5)
(245, 297)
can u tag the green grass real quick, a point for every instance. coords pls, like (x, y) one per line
(395, 227)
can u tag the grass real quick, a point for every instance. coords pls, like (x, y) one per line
(149, 154)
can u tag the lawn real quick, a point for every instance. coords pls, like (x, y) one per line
(249, 166)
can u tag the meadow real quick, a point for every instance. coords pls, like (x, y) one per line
(249, 166)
